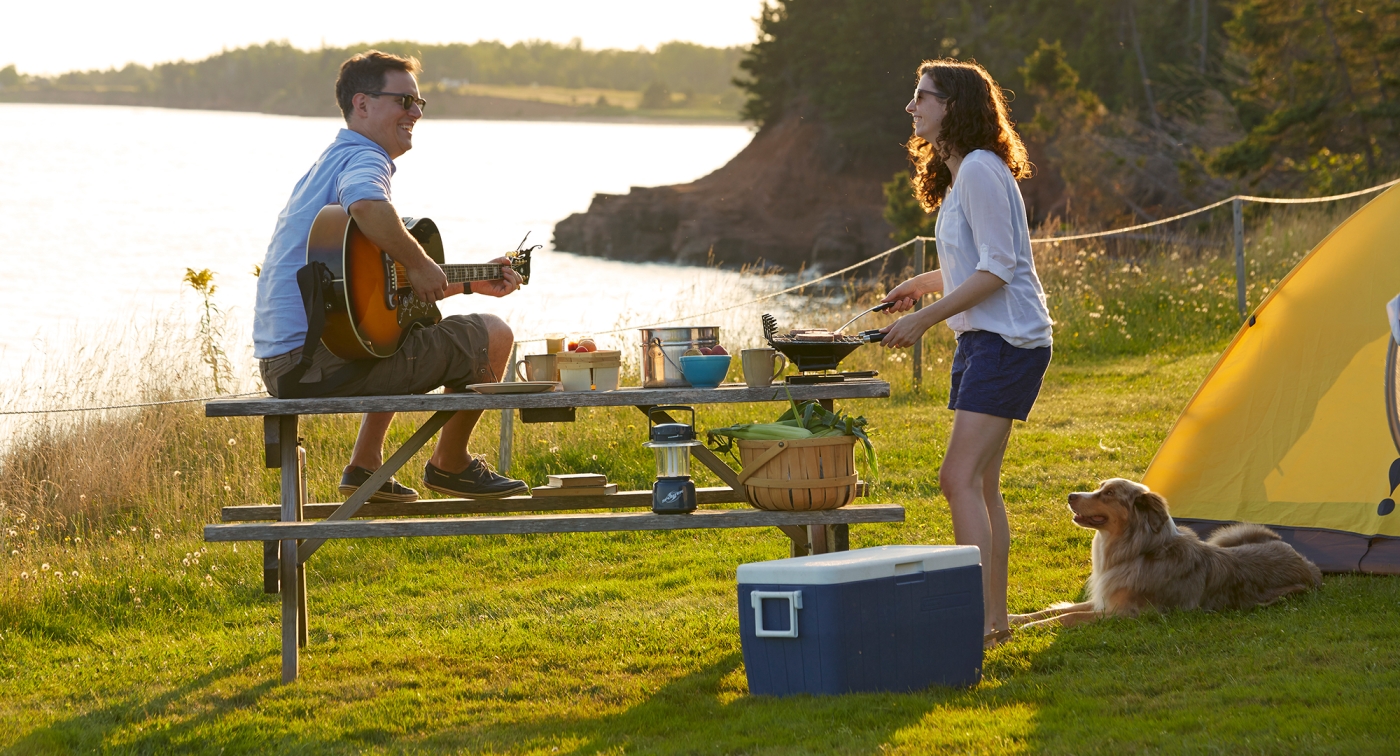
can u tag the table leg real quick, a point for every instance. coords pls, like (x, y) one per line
(303, 619)
(840, 538)
(818, 538)
(797, 539)
(291, 501)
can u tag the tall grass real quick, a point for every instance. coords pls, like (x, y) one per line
(77, 481)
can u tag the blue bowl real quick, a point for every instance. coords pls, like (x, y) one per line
(705, 370)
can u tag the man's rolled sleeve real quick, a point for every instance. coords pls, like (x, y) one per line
(992, 234)
(366, 177)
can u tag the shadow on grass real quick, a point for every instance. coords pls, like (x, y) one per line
(707, 711)
(92, 730)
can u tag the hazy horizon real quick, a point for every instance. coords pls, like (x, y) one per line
(103, 35)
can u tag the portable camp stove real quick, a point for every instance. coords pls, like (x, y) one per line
(816, 353)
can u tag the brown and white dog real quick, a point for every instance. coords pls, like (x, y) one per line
(1141, 561)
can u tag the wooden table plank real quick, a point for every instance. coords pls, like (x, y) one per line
(727, 394)
(441, 507)
(570, 523)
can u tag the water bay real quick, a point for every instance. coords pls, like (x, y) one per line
(103, 208)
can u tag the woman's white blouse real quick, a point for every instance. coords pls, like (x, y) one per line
(982, 226)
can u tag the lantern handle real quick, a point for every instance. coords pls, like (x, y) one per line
(651, 421)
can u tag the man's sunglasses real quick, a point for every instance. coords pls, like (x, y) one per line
(405, 99)
(918, 95)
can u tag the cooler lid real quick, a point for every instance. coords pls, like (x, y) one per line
(859, 564)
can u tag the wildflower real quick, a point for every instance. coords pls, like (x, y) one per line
(207, 577)
(136, 600)
(14, 552)
(82, 497)
(1095, 315)
(75, 574)
(177, 473)
(78, 539)
(44, 566)
(156, 535)
(24, 576)
(228, 488)
(133, 528)
(204, 550)
(233, 442)
(185, 562)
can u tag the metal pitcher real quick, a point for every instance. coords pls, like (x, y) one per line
(662, 349)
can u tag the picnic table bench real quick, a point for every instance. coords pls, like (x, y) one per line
(293, 529)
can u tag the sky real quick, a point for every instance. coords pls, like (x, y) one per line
(63, 35)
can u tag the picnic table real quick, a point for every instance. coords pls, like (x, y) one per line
(294, 529)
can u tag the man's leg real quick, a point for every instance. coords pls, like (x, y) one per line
(975, 445)
(369, 445)
(451, 454)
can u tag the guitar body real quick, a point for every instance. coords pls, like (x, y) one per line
(372, 308)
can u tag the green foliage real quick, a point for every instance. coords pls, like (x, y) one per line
(1320, 98)
(656, 96)
(211, 334)
(9, 77)
(903, 212)
(277, 77)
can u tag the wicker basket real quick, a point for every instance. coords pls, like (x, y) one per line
(799, 475)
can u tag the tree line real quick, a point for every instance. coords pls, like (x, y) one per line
(1140, 108)
(279, 78)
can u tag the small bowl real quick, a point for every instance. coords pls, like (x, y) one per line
(705, 370)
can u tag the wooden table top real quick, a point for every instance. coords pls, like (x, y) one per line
(870, 388)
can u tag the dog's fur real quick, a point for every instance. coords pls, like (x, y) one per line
(1141, 560)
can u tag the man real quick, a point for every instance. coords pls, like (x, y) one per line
(378, 95)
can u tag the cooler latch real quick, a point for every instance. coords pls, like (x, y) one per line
(794, 599)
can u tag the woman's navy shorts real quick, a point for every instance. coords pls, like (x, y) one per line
(992, 377)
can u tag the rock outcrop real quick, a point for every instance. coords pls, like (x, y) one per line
(789, 198)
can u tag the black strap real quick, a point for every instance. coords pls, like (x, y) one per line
(317, 287)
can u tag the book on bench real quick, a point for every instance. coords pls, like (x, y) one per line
(578, 480)
(606, 490)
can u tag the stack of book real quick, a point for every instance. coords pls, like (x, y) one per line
(576, 484)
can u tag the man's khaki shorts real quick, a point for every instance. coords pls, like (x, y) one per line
(452, 353)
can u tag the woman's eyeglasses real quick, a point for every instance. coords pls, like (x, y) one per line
(919, 93)
(405, 99)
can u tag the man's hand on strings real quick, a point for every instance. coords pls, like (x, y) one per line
(509, 282)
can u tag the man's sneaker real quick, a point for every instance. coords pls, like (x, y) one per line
(391, 492)
(478, 481)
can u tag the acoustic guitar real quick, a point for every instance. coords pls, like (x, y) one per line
(372, 308)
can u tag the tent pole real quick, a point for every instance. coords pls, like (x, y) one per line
(1239, 254)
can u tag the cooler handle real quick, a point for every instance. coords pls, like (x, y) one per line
(794, 599)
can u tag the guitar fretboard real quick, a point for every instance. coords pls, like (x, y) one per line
(458, 273)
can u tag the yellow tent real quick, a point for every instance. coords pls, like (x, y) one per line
(1292, 428)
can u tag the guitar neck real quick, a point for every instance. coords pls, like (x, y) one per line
(459, 272)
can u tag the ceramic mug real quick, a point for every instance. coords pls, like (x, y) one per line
(538, 367)
(761, 366)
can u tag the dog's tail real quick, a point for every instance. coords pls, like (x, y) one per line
(1240, 534)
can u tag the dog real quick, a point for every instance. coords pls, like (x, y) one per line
(1141, 560)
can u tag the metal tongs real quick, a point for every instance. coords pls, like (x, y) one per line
(877, 308)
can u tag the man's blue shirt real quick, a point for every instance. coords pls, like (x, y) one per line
(353, 168)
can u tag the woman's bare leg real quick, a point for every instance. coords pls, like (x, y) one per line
(974, 450)
(1001, 538)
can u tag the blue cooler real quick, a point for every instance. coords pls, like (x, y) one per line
(891, 618)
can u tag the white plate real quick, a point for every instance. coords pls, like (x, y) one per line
(514, 387)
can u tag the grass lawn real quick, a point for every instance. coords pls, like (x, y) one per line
(628, 643)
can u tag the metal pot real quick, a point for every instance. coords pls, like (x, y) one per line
(662, 349)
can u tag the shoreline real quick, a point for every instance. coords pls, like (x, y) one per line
(457, 108)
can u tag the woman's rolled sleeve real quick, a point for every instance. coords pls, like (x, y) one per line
(992, 233)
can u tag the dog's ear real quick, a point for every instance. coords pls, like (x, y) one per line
(1152, 507)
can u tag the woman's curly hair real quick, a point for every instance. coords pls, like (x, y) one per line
(976, 119)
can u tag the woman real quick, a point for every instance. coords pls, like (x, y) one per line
(967, 159)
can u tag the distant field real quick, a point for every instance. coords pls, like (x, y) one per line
(600, 101)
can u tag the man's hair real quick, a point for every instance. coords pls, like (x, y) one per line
(365, 73)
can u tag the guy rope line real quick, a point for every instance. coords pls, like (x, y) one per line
(805, 284)
(129, 406)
